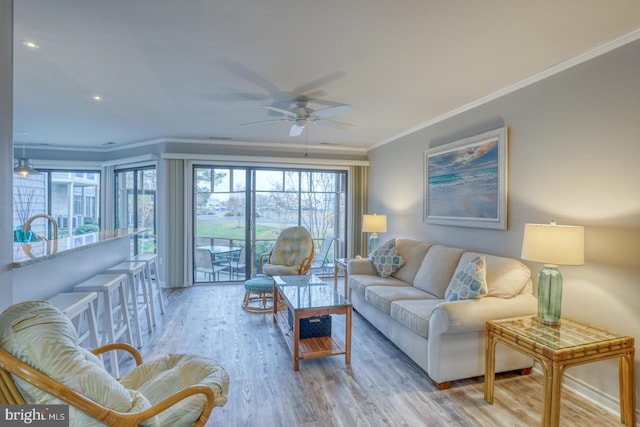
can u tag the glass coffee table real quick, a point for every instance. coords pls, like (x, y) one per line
(307, 296)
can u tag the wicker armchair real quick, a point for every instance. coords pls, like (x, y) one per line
(292, 253)
(151, 394)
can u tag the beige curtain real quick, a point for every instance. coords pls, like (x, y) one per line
(171, 220)
(359, 187)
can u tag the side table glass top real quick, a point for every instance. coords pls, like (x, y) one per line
(570, 333)
(308, 291)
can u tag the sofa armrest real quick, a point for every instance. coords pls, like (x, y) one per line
(361, 266)
(451, 317)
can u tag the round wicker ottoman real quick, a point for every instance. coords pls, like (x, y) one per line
(258, 294)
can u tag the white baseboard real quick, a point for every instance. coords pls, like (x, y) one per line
(592, 394)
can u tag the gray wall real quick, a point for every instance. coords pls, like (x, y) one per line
(574, 155)
(6, 158)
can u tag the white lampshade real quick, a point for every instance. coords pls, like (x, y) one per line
(553, 244)
(374, 223)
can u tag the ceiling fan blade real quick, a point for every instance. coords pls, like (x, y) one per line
(332, 111)
(280, 110)
(296, 130)
(262, 122)
(334, 124)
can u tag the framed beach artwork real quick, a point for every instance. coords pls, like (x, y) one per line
(466, 182)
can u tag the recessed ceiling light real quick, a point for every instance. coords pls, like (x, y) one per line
(97, 98)
(31, 44)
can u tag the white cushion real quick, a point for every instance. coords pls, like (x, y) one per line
(360, 282)
(413, 252)
(382, 296)
(437, 269)
(414, 314)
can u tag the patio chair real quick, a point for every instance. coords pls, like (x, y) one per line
(41, 363)
(203, 263)
(238, 264)
(292, 253)
(320, 264)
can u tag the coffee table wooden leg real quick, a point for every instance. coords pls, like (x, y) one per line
(489, 367)
(346, 283)
(296, 341)
(276, 298)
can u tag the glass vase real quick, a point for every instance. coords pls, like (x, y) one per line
(549, 295)
(21, 236)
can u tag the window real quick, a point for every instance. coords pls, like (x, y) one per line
(71, 198)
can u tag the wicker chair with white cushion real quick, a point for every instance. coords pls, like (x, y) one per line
(42, 363)
(292, 253)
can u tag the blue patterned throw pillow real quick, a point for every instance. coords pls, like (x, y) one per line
(469, 282)
(386, 259)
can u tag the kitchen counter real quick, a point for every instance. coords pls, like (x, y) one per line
(46, 268)
(33, 252)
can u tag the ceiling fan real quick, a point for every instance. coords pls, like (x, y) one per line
(301, 115)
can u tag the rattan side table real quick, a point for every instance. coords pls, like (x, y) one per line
(558, 347)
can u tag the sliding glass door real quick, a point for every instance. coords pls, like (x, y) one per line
(220, 235)
(135, 205)
(240, 211)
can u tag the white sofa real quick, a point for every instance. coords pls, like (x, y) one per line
(445, 338)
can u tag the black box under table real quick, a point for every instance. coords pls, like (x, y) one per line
(312, 327)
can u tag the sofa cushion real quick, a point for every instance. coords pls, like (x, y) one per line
(468, 282)
(381, 297)
(386, 259)
(361, 266)
(506, 277)
(413, 252)
(360, 282)
(40, 335)
(414, 314)
(437, 269)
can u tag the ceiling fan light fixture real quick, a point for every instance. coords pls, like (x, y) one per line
(31, 44)
(301, 115)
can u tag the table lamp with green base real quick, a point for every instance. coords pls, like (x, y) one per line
(552, 245)
(374, 224)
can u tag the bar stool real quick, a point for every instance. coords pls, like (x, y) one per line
(115, 316)
(137, 287)
(76, 305)
(154, 285)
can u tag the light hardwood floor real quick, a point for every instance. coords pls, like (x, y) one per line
(382, 387)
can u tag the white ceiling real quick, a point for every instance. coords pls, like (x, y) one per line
(201, 68)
